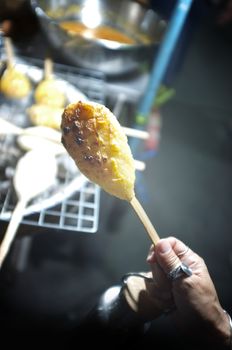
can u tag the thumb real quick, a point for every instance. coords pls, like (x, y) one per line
(166, 257)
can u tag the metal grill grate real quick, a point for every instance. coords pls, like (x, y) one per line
(66, 209)
(79, 212)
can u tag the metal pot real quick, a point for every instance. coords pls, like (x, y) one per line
(141, 25)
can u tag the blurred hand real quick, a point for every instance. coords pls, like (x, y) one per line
(197, 309)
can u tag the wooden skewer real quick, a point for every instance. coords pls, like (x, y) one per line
(139, 165)
(145, 220)
(11, 230)
(140, 134)
(48, 68)
(9, 52)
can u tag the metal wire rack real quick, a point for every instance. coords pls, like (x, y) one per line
(79, 212)
(75, 206)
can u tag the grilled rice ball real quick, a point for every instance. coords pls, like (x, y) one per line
(14, 84)
(43, 115)
(48, 92)
(95, 140)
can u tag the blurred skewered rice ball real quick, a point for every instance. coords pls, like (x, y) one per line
(49, 93)
(14, 84)
(45, 115)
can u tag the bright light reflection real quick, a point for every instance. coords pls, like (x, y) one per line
(111, 294)
(90, 14)
(88, 34)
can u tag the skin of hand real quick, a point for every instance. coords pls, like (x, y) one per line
(197, 310)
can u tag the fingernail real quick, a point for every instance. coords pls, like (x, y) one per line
(164, 247)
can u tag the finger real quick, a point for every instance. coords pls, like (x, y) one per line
(166, 256)
(161, 282)
(160, 279)
(178, 246)
(184, 253)
(151, 255)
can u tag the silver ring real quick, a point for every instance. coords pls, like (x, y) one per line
(184, 251)
(179, 271)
